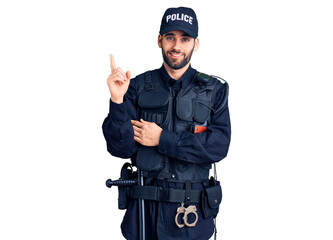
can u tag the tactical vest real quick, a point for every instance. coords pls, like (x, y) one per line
(158, 103)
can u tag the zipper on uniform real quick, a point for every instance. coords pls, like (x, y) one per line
(174, 96)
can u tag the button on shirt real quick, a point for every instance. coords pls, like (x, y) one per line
(208, 147)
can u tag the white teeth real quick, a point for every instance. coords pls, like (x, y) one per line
(175, 54)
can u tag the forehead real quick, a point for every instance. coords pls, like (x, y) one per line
(177, 33)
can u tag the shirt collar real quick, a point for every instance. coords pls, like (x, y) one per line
(182, 82)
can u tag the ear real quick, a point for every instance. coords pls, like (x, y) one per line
(196, 44)
(159, 41)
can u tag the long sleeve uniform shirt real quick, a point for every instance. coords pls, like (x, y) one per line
(199, 148)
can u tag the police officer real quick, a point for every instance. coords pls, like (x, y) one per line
(173, 123)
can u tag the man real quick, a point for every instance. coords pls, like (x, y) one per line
(173, 123)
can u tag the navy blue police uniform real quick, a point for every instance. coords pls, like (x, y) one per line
(177, 170)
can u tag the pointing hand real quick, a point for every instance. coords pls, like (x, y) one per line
(118, 82)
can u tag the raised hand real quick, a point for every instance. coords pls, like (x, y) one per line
(118, 82)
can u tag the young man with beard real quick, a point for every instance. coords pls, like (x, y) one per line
(173, 123)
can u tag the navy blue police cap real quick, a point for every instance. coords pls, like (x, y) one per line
(182, 18)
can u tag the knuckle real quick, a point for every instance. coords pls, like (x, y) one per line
(118, 69)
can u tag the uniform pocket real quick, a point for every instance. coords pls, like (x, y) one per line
(153, 106)
(201, 111)
(153, 99)
(149, 159)
(184, 109)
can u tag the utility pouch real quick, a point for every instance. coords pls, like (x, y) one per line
(211, 198)
(149, 159)
(153, 107)
(125, 174)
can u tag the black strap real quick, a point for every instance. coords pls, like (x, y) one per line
(165, 195)
(187, 192)
(148, 81)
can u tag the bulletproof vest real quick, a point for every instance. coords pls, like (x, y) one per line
(174, 112)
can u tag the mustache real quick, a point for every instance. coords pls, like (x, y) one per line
(175, 51)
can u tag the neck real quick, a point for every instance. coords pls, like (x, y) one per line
(176, 73)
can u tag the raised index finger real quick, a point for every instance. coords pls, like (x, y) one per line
(112, 63)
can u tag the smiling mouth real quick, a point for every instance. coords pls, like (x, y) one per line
(175, 55)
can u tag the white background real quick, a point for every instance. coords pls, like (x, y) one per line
(54, 61)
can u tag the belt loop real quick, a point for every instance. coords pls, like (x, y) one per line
(187, 192)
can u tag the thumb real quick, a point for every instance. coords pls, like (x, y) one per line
(128, 75)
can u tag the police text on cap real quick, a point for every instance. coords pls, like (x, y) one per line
(183, 17)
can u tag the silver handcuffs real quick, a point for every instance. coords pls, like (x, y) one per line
(186, 211)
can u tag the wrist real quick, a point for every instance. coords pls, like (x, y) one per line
(168, 143)
(118, 101)
(159, 136)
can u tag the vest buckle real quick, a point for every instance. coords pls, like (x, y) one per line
(149, 87)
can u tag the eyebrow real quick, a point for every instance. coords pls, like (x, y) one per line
(172, 34)
(169, 34)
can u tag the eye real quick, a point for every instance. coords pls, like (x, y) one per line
(186, 39)
(169, 38)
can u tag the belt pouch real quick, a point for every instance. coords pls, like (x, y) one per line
(122, 197)
(210, 199)
(125, 174)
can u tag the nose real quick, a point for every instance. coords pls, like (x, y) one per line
(177, 45)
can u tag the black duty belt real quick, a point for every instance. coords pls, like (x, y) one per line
(165, 195)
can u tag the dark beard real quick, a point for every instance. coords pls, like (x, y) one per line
(181, 64)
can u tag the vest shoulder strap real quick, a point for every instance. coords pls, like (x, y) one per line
(214, 83)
